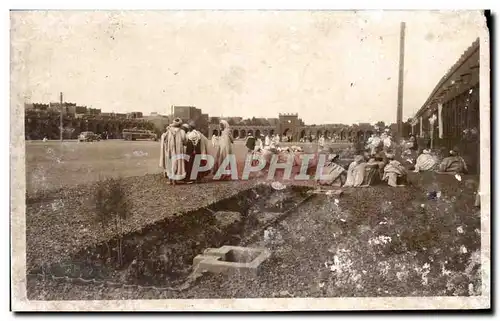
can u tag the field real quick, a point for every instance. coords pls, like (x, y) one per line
(376, 241)
(52, 165)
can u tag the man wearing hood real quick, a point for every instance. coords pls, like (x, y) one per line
(224, 149)
(425, 161)
(196, 144)
(394, 171)
(171, 148)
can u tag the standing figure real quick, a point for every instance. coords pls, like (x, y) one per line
(250, 142)
(214, 140)
(374, 143)
(259, 145)
(172, 144)
(267, 140)
(163, 138)
(196, 144)
(321, 142)
(225, 147)
(387, 140)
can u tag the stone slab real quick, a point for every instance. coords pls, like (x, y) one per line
(217, 260)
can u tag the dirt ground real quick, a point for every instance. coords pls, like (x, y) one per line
(61, 182)
(372, 241)
(52, 221)
(376, 241)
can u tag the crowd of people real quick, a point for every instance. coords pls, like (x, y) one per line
(439, 160)
(178, 139)
(321, 139)
(375, 163)
(374, 160)
(184, 139)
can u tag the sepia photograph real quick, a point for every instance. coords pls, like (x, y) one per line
(177, 160)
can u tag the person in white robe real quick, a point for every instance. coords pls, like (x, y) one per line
(321, 142)
(258, 144)
(267, 140)
(425, 162)
(196, 144)
(373, 144)
(225, 147)
(214, 140)
(393, 172)
(387, 141)
(356, 172)
(172, 144)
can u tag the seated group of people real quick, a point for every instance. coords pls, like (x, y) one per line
(364, 170)
(430, 161)
(380, 166)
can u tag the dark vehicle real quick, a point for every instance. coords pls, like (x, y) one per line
(88, 137)
(134, 134)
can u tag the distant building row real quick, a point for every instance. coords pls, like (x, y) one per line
(71, 109)
(84, 118)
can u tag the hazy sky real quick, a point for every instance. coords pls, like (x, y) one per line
(330, 67)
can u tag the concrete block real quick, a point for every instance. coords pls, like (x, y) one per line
(231, 259)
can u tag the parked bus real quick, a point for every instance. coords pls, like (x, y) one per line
(134, 134)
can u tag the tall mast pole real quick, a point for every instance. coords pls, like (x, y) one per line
(401, 79)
